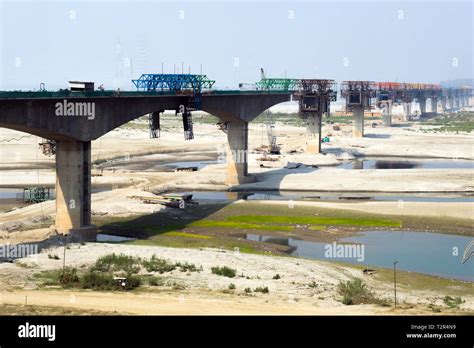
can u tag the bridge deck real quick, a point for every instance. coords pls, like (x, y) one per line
(114, 93)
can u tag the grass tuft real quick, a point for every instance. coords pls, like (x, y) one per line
(224, 271)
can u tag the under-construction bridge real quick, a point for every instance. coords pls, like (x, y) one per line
(37, 113)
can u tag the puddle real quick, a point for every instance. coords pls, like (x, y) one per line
(199, 164)
(111, 238)
(326, 196)
(422, 252)
(397, 163)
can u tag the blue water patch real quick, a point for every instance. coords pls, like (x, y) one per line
(422, 252)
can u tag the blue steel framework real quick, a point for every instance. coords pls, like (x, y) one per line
(176, 83)
(173, 82)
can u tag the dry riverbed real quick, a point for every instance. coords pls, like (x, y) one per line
(127, 163)
(302, 286)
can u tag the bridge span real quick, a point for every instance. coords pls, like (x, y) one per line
(37, 114)
(72, 119)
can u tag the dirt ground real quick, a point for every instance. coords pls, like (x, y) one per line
(304, 287)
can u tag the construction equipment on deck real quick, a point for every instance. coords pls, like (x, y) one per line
(279, 84)
(315, 95)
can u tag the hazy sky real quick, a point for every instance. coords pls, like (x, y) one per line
(107, 41)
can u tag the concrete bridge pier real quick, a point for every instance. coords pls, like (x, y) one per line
(465, 101)
(434, 105)
(453, 103)
(406, 111)
(422, 103)
(387, 113)
(73, 190)
(443, 102)
(313, 132)
(237, 153)
(358, 128)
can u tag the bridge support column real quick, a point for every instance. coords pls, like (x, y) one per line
(358, 128)
(443, 104)
(73, 190)
(422, 103)
(434, 105)
(453, 103)
(466, 101)
(313, 132)
(387, 113)
(237, 153)
(406, 111)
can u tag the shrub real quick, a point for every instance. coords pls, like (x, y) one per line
(155, 281)
(53, 256)
(188, 267)
(453, 302)
(248, 290)
(276, 276)
(155, 264)
(68, 276)
(116, 263)
(224, 271)
(231, 286)
(100, 281)
(355, 292)
(262, 290)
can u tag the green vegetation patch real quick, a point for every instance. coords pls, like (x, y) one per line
(459, 122)
(453, 302)
(117, 263)
(103, 281)
(255, 219)
(224, 271)
(239, 225)
(100, 276)
(156, 264)
(187, 235)
(356, 292)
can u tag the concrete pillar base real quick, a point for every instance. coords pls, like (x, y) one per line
(237, 153)
(73, 186)
(313, 133)
(443, 102)
(434, 105)
(81, 234)
(422, 103)
(358, 128)
(387, 120)
(406, 111)
(387, 113)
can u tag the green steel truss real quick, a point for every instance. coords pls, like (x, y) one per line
(279, 84)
